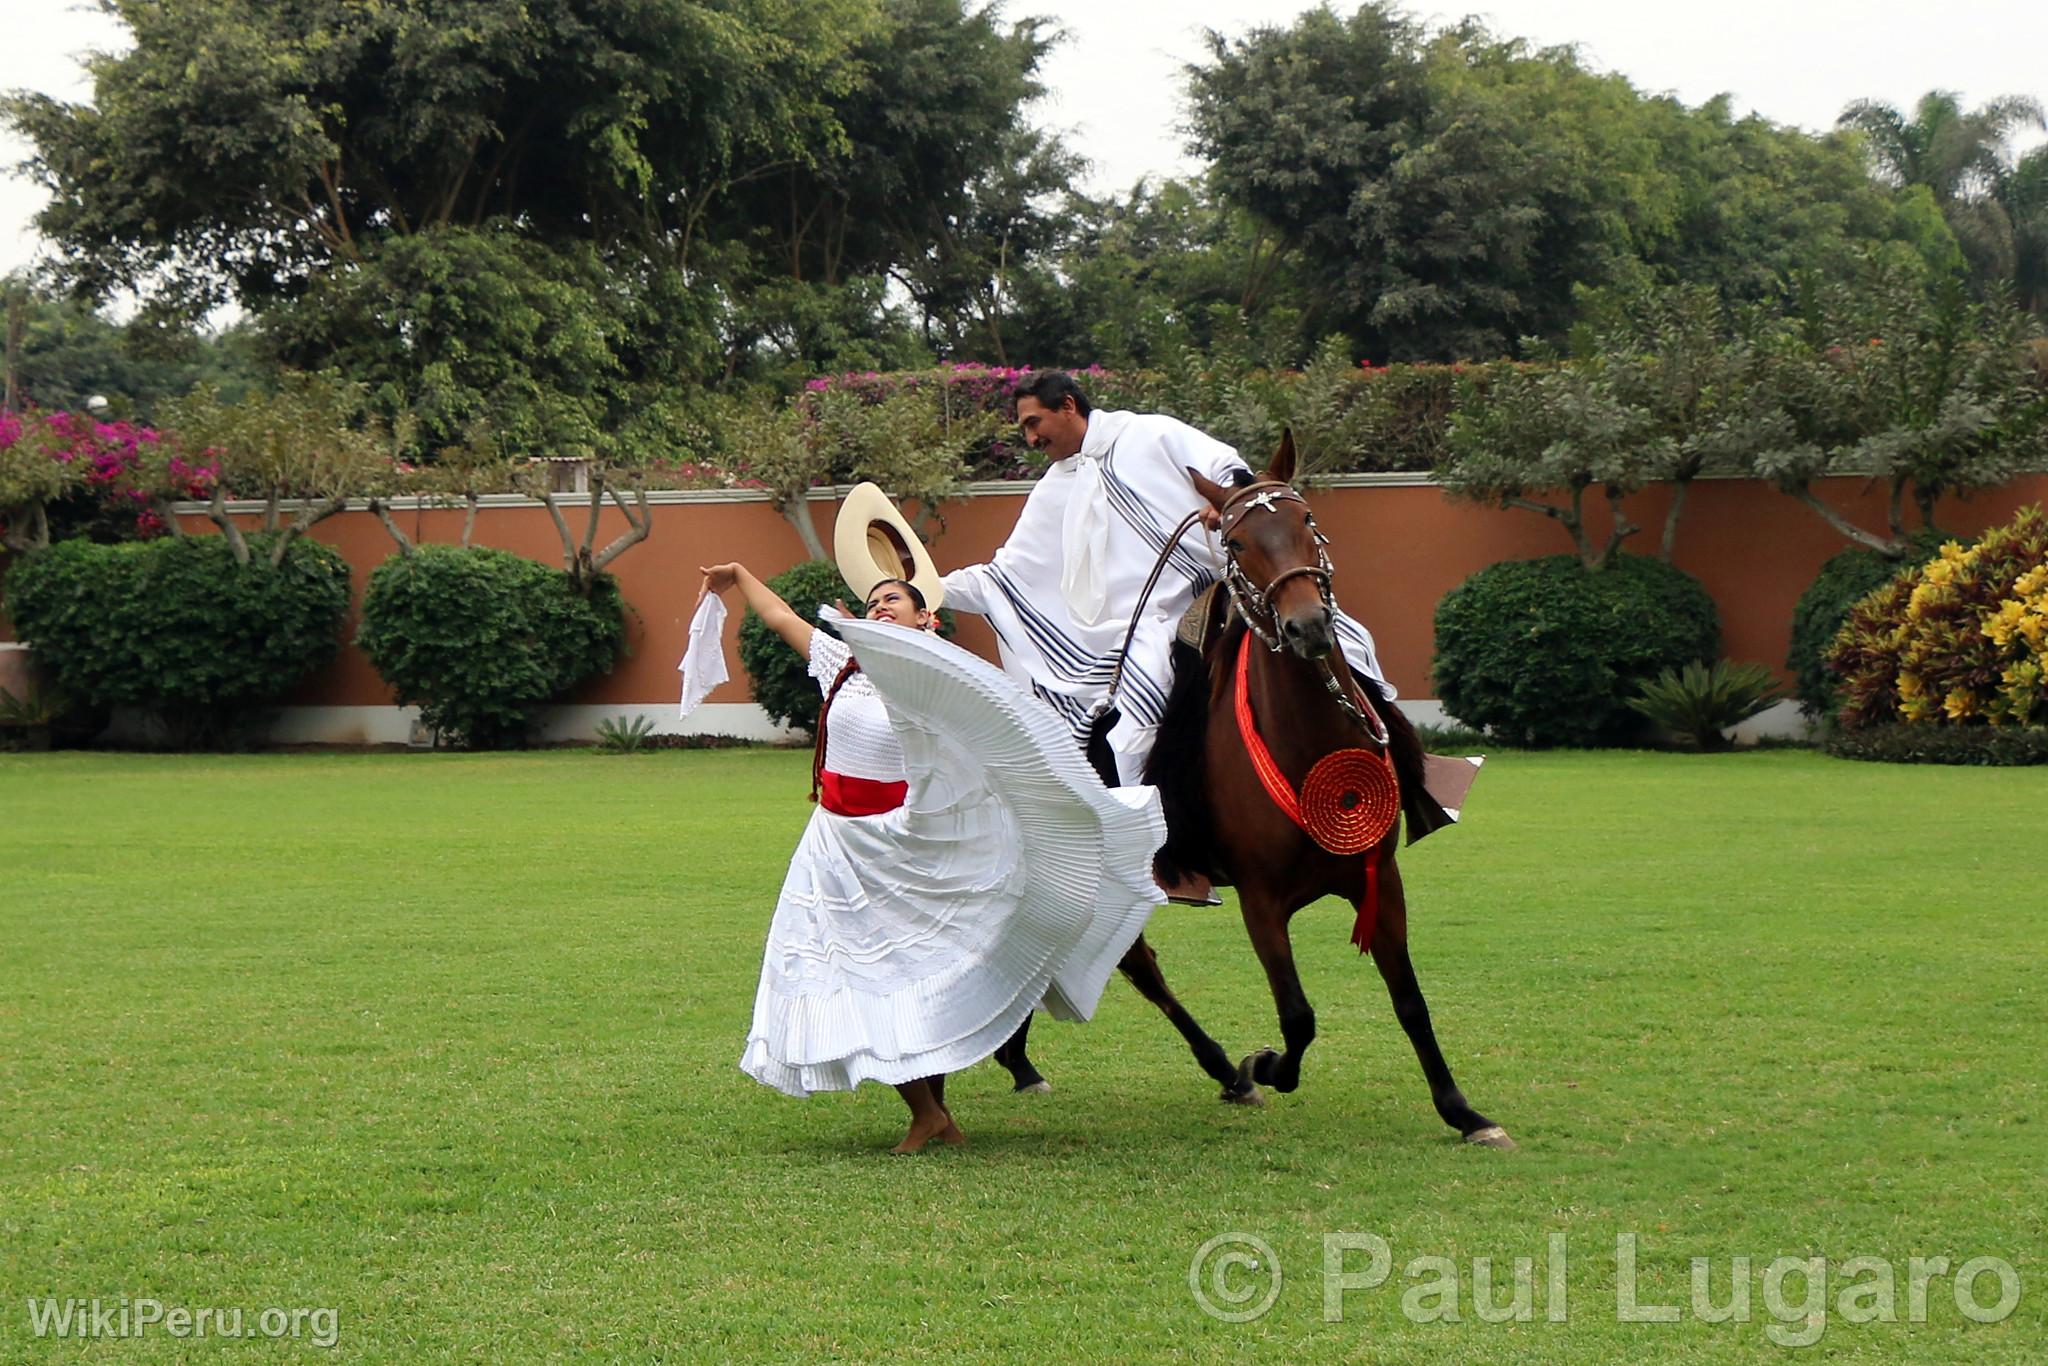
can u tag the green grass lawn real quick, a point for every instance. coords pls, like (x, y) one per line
(447, 1045)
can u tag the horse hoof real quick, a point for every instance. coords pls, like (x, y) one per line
(1492, 1136)
(1257, 1067)
(1041, 1087)
(1245, 1095)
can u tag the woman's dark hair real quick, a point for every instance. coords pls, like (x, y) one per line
(908, 587)
(1052, 388)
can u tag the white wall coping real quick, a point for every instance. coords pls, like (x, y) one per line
(983, 488)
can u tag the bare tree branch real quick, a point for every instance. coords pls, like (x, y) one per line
(308, 515)
(547, 496)
(596, 507)
(166, 510)
(1537, 505)
(636, 532)
(1846, 527)
(390, 525)
(1623, 529)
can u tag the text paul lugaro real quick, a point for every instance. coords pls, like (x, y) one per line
(1797, 1293)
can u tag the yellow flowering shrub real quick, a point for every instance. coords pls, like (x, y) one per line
(1959, 640)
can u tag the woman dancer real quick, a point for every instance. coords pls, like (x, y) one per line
(963, 866)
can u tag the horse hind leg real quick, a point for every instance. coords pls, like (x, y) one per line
(1025, 1078)
(1390, 955)
(1268, 930)
(1141, 966)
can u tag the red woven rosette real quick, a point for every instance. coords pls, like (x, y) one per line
(1350, 801)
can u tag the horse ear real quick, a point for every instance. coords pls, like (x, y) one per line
(1208, 488)
(1282, 468)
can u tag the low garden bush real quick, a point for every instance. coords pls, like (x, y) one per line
(1845, 580)
(1547, 652)
(1961, 641)
(1904, 743)
(1701, 702)
(179, 627)
(479, 639)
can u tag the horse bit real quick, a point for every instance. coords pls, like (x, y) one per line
(1255, 604)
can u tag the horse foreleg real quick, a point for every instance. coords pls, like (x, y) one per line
(1390, 955)
(1267, 926)
(1141, 966)
(1012, 1056)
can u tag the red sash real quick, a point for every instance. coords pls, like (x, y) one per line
(844, 795)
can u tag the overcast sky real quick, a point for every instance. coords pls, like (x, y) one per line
(1115, 81)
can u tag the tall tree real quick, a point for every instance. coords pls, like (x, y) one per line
(1138, 277)
(1961, 155)
(545, 214)
(2024, 196)
(1446, 189)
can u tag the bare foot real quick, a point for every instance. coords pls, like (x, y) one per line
(921, 1133)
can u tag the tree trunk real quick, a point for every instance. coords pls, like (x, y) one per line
(217, 510)
(547, 496)
(1670, 542)
(797, 513)
(469, 519)
(1623, 529)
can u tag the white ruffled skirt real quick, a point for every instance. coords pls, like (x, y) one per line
(915, 942)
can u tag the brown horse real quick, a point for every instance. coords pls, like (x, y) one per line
(1226, 821)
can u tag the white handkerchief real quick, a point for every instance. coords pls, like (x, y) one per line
(703, 665)
(1085, 542)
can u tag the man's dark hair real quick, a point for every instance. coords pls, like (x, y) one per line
(1052, 388)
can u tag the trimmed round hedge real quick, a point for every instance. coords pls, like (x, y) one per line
(1547, 652)
(479, 639)
(1845, 580)
(178, 627)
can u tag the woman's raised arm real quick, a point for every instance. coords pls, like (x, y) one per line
(781, 618)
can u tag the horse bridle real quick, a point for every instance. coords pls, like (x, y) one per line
(1255, 604)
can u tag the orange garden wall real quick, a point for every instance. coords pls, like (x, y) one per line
(1399, 545)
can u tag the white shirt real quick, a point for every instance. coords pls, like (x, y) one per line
(859, 741)
(1143, 461)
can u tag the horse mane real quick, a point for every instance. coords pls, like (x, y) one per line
(1179, 763)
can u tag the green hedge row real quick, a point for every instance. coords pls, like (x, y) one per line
(178, 628)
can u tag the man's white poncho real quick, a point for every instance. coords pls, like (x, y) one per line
(1061, 591)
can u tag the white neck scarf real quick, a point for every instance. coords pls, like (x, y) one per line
(1084, 535)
